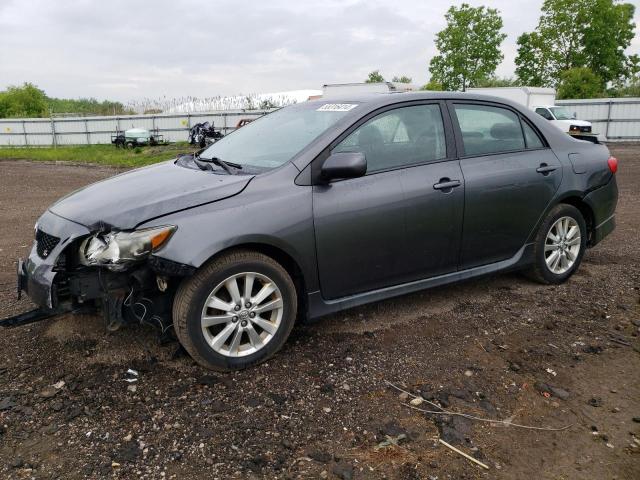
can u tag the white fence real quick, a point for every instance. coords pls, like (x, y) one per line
(95, 130)
(613, 119)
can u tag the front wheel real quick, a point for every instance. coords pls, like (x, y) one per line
(236, 311)
(559, 245)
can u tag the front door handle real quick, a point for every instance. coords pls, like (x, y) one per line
(545, 169)
(446, 185)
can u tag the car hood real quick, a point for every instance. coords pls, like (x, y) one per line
(128, 199)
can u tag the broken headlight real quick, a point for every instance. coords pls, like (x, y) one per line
(116, 250)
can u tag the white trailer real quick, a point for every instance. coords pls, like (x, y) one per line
(342, 89)
(530, 97)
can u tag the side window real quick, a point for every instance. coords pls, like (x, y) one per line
(399, 137)
(531, 137)
(543, 112)
(487, 129)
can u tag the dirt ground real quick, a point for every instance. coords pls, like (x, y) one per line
(498, 348)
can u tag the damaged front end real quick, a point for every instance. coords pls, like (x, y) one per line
(72, 268)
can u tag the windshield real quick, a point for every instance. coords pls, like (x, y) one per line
(276, 138)
(562, 113)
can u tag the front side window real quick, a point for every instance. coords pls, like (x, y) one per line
(276, 138)
(399, 137)
(486, 129)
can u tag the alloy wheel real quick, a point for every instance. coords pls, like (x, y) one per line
(242, 314)
(562, 245)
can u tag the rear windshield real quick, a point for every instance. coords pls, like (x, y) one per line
(276, 138)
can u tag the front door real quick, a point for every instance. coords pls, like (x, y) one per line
(401, 221)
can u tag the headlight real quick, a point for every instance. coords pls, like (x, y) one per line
(574, 128)
(116, 250)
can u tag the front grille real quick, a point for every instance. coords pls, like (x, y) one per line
(45, 243)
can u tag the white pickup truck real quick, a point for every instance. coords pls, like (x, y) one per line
(542, 101)
(563, 119)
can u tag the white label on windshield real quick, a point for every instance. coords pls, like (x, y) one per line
(337, 107)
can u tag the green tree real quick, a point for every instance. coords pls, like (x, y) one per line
(402, 79)
(432, 85)
(579, 82)
(531, 63)
(498, 82)
(589, 33)
(375, 77)
(25, 101)
(469, 47)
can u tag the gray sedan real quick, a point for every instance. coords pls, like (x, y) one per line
(319, 207)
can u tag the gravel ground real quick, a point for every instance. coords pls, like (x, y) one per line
(499, 348)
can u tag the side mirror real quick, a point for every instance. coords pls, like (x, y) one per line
(344, 165)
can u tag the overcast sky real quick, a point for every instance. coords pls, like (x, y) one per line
(131, 49)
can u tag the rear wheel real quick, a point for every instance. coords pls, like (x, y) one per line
(236, 311)
(559, 245)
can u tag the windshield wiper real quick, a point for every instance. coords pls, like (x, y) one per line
(228, 166)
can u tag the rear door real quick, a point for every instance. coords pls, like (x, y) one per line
(511, 176)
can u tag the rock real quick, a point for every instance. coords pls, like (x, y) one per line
(326, 409)
(49, 392)
(487, 406)
(391, 429)
(218, 407)
(17, 462)
(559, 393)
(57, 406)
(128, 452)
(468, 373)
(593, 349)
(595, 402)
(636, 419)
(51, 429)
(7, 403)
(132, 388)
(343, 471)
(417, 401)
(542, 387)
(207, 380)
(465, 395)
(346, 387)
(404, 396)
(327, 388)
(320, 456)
(514, 367)
(443, 399)
(287, 444)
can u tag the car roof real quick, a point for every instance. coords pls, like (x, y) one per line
(389, 98)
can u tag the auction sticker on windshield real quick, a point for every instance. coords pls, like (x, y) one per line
(337, 107)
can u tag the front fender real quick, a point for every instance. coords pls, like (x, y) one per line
(279, 216)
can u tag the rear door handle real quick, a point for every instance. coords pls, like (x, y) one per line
(545, 169)
(446, 184)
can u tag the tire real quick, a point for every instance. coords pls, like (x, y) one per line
(542, 270)
(197, 291)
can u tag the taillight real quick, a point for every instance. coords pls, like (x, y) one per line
(613, 164)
